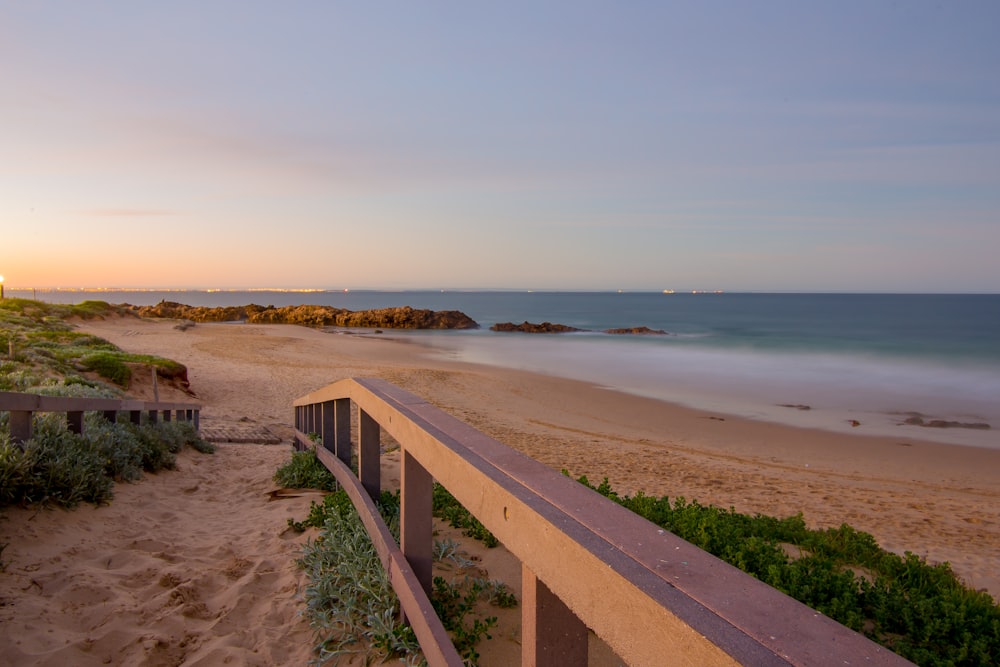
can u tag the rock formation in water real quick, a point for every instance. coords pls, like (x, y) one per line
(403, 317)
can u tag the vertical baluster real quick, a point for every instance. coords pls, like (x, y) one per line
(416, 522)
(369, 463)
(551, 634)
(342, 426)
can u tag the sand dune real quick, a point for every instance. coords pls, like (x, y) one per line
(195, 566)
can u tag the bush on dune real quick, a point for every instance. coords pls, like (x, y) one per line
(46, 347)
(66, 468)
(56, 466)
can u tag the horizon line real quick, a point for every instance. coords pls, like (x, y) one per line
(346, 290)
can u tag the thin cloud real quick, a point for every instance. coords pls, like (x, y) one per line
(127, 212)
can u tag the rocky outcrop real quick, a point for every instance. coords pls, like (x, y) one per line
(403, 317)
(406, 317)
(529, 327)
(179, 311)
(636, 331)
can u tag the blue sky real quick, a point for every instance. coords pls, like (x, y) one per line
(564, 145)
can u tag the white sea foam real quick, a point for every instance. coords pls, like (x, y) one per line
(878, 392)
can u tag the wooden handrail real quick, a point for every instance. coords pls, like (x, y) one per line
(22, 407)
(586, 561)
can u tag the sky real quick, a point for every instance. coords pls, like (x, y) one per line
(769, 146)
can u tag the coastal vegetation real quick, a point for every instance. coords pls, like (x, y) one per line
(42, 354)
(349, 600)
(41, 350)
(64, 468)
(919, 610)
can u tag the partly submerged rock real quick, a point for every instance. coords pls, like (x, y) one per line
(944, 423)
(530, 327)
(637, 331)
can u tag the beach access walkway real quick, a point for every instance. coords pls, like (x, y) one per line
(587, 563)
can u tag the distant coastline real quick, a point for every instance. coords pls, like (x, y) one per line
(21, 291)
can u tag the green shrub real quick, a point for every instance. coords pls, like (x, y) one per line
(118, 446)
(185, 433)
(72, 388)
(91, 308)
(108, 365)
(156, 454)
(64, 468)
(15, 470)
(305, 471)
(17, 379)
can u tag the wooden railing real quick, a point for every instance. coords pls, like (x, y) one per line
(22, 408)
(587, 563)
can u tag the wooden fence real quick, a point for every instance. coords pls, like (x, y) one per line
(22, 408)
(587, 562)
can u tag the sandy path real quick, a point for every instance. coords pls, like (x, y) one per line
(182, 582)
(169, 573)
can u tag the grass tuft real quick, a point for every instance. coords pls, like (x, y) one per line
(305, 471)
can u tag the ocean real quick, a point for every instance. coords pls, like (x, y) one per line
(859, 363)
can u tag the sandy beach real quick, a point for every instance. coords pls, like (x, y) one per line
(195, 566)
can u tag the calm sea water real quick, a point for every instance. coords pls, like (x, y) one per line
(870, 358)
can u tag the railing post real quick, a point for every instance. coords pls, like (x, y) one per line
(329, 433)
(551, 634)
(369, 463)
(74, 420)
(20, 425)
(342, 437)
(416, 534)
